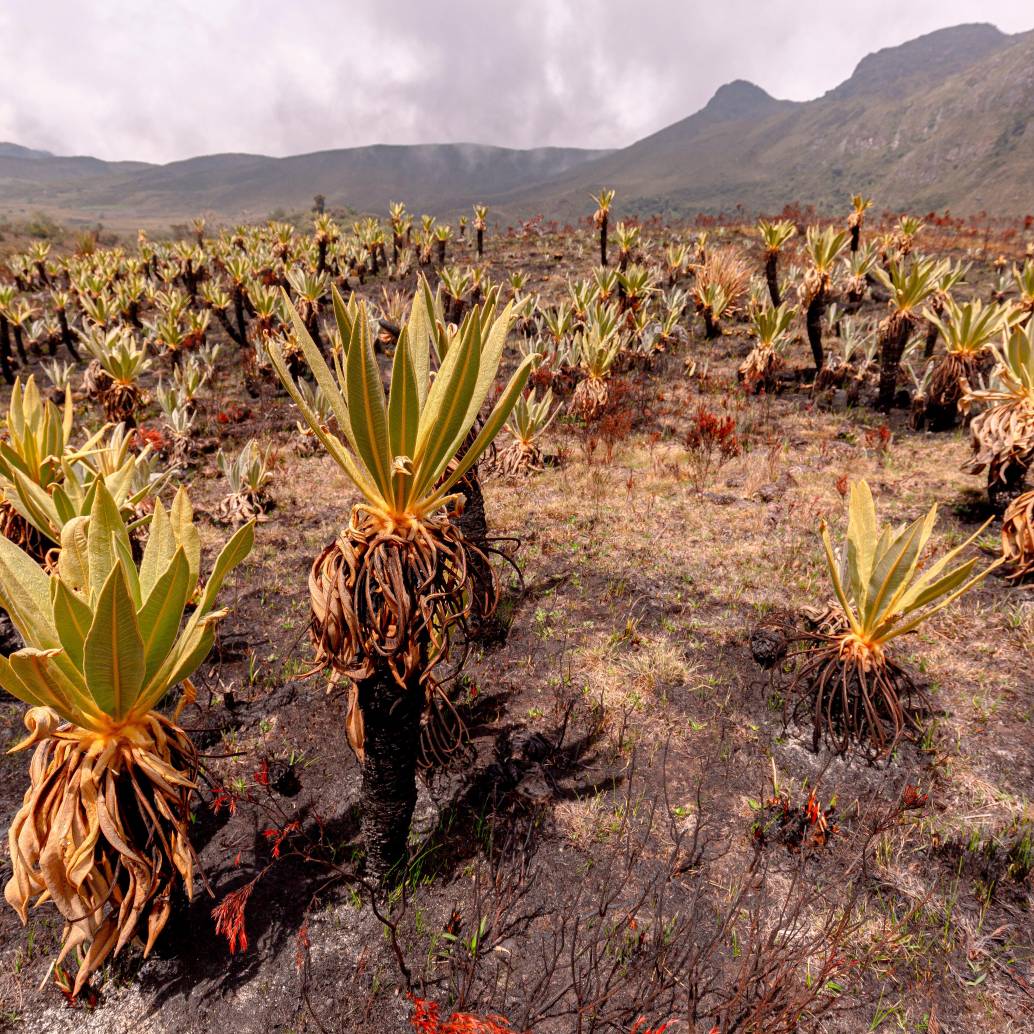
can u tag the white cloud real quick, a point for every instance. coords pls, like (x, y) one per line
(160, 81)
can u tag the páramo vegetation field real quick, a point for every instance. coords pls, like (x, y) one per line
(437, 626)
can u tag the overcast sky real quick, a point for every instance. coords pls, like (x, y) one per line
(159, 80)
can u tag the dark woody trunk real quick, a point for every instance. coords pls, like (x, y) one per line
(813, 323)
(772, 276)
(931, 339)
(20, 344)
(66, 336)
(5, 349)
(474, 527)
(238, 311)
(892, 348)
(1001, 491)
(391, 741)
(312, 325)
(603, 241)
(231, 331)
(481, 243)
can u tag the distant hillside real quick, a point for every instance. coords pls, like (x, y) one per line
(438, 177)
(941, 121)
(17, 151)
(938, 122)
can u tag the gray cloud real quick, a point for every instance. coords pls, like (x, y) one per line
(161, 81)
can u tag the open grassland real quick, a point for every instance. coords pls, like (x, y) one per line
(635, 826)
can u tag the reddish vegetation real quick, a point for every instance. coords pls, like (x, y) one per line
(426, 1019)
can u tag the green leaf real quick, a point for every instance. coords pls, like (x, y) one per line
(189, 660)
(35, 505)
(113, 659)
(491, 428)
(63, 505)
(890, 569)
(366, 408)
(894, 572)
(916, 621)
(419, 334)
(158, 550)
(443, 418)
(930, 575)
(861, 539)
(337, 450)
(181, 517)
(26, 693)
(403, 401)
(838, 587)
(42, 672)
(229, 557)
(32, 670)
(342, 316)
(189, 651)
(73, 561)
(105, 525)
(320, 370)
(72, 618)
(125, 556)
(25, 595)
(491, 356)
(159, 619)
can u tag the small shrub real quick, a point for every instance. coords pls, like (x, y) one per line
(711, 442)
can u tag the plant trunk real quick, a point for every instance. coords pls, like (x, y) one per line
(473, 525)
(441, 253)
(481, 243)
(813, 322)
(1002, 491)
(321, 257)
(391, 741)
(20, 345)
(712, 329)
(603, 241)
(238, 312)
(772, 276)
(5, 349)
(312, 325)
(856, 235)
(931, 339)
(231, 332)
(892, 348)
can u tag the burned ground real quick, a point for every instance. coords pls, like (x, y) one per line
(628, 824)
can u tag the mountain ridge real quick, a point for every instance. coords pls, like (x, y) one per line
(935, 148)
(937, 121)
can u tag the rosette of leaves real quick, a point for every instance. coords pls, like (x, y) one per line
(1018, 537)
(122, 361)
(771, 327)
(528, 422)
(248, 475)
(102, 832)
(387, 594)
(1002, 434)
(968, 330)
(856, 691)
